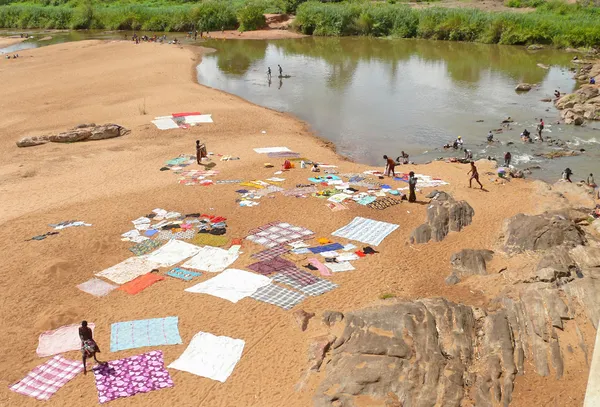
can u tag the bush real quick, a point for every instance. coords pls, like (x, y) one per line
(288, 6)
(251, 17)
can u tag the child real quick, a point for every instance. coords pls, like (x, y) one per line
(315, 168)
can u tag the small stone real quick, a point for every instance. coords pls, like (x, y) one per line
(331, 317)
(302, 317)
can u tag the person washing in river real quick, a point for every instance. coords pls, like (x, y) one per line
(490, 137)
(540, 128)
(507, 158)
(566, 175)
(403, 158)
(389, 166)
(269, 73)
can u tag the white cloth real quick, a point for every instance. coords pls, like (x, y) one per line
(128, 269)
(60, 340)
(173, 252)
(211, 259)
(210, 356)
(140, 221)
(231, 285)
(347, 257)
(337, 267)
(165, 123)
(267, 150)
(198, 118)
(365, 230)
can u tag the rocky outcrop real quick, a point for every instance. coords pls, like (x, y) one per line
(468, 262)
(540, 232)
(82, 132)
(583, 104)
(523, 87)
(444, 215)
(558, 154)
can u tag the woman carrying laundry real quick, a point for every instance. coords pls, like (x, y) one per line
(89, 348)
(412, 184)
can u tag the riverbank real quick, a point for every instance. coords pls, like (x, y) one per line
(111, 182)
(8, 41)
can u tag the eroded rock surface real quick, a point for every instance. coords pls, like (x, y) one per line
(468, 262)
(82, 132)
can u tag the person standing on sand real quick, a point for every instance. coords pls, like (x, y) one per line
(389, 166)
(507, 158)
(200, 152)
(474, 175)
(412, 184)
(89, 348)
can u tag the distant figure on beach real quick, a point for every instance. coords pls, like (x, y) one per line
(389, 166)
(592, 81)
(566, 175)
(540, 127)
(200, 152)
(507, 158)
(89, 348)
(195, 35)
(490, 137)
(269, 73)
(556, 94)
(474, 175)
(468, 154)
(315, 168)
(280, 71)
(590, 181)
(403, 158)
(412, 184)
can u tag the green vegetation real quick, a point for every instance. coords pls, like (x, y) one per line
(554, 23)
(251, 17)
(387, 296)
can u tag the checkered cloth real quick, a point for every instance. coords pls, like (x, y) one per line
(271, 253)
(276, 295)
(46, 379)
(300, 276)
(320, 287)
(271, 266)
(277, 233)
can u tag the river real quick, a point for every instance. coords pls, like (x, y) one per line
(375, 96)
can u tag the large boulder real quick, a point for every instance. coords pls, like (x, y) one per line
(540, 232)
(468, 262)
(444, 215)
(82, 132)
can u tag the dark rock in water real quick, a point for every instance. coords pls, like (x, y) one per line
(546, 100)
(479, 121)
(540, 232)
(444, 215)
(468, 262)
(510, 143)
(523, 87)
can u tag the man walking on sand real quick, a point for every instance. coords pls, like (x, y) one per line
(389, 166)
(474, 175)
(89, 348)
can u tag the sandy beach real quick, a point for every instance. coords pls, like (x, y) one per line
(109, 183)
(8, 41)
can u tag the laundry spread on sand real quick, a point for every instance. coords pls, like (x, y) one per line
(128, 269)
(279, 296)
(97, 287)
(277, 233)
(140, 283)
(384, 203)
(270, 266)
(68, 224)
(325, 178)
(337, 267)
(424, 181)
(173, 252)
(301, 277)
(144, 332)
(46, 379)
(145, 247)
(283, 154)
(210, 356)
(206, 239)
(211, 259)
(196, 177)
(301, 192)
(60, 340)
(335, 207)
(130, 376)
(320, 266)
(270, 253)
(366, 231)
(326, 248)
(267, 150)
(182, 274)
(321, 286)
(231, 285)
(181, 121)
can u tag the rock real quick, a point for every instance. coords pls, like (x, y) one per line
(302, 317)
(558, 154)
(584, 291)
(535, 47)
(317, 350)
(516, 173)
(556, 265)
(444, 215)
(586, 257)
(540, 232)
(523, 87)
(469, 262)
(331, 317)
(543, 66)
(546, 100)
(82, 132)
(452, 279)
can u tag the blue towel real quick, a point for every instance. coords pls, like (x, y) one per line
(366, 200)
(183, 274)
(144, 332)
(326, 248)
(324, 178)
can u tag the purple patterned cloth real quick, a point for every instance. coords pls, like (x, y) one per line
(271, 266)
(300, 276)
(271, 253)
(127, 377)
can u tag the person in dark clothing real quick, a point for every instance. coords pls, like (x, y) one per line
(280, 71)
(389, 166)
(474, 175)
(567, 174)
(89, 348)
(507, 158)
(200, 152)
(403, 158)
(412, 184)
(540, 128)
(269, 73)
(556, 94)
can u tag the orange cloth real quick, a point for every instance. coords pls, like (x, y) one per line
(138, 284)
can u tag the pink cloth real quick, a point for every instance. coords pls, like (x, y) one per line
(60, 340)
(321, 267)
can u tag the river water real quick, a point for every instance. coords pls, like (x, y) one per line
(380, 96)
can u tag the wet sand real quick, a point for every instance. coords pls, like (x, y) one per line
(8, 41)
(109, 183)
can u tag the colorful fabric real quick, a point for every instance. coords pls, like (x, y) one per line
(321, 267)
(324, 178)
(183, 274)
(127, 377)
(97, 287)
(144, 332)
(302, 277)
(271, 253)
(60, 340)
(326, 248)
(145, 247)
(206, 239)
(279, 296)
(140, 283)
(277, 233)
(267, 150)
(210, 356)
(297, 192)
(46, 379)
(179, 235)
(270, 266)
(335, 207)
(231, 285)
(320, 287)
(384, 203)
(128, 269)
(366, 231)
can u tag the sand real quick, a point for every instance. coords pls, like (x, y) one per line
(109, 183)
(8, 41)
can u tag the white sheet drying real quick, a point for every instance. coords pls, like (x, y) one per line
(211, 259)
(173, 252)
(231, 285)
